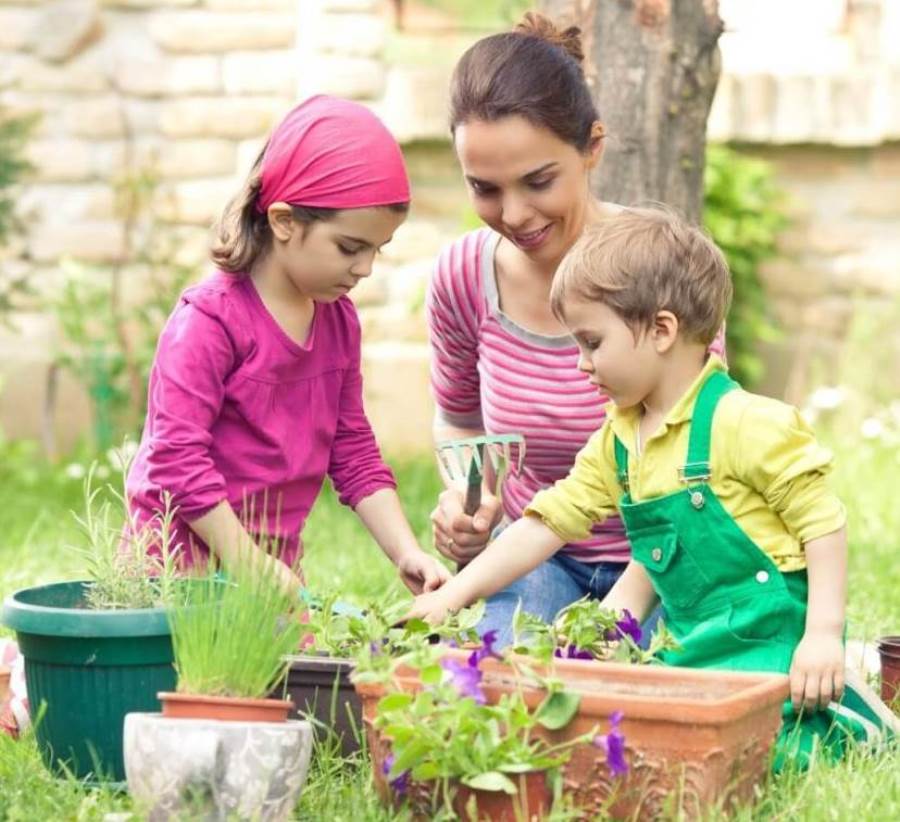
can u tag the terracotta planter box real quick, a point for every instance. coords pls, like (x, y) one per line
(889, 650)
(320, 688)
(693, 738)
(227, 709)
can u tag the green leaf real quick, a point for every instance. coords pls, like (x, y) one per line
(491, 781)
(409, 756)
(558, 709)
(426, 772)
(393, 702)
(431, 675)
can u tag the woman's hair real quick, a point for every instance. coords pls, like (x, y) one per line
(645, 260)
(242, 233)
(534, 71)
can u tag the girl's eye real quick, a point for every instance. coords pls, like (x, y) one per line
(592, 344)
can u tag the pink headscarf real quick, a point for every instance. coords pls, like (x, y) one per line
(332, 153)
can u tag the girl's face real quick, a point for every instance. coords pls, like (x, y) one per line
(527, 184)
(624, 368)
(325, 259)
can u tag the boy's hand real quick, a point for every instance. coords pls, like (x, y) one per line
(421, 572)
(432, 607)
(817, 670)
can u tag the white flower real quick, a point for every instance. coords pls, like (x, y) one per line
(872, 428)
(827, 398)
(75, 471)
(102, 472)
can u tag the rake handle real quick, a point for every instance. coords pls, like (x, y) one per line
(473, 500)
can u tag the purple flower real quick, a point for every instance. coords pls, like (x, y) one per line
(466, 679)
(613, 745)
(573, 652)
(400, 783)
(626, 626)
(486, 650)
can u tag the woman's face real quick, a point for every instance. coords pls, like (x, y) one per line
(527, 184)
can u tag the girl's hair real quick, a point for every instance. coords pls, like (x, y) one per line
(533, 71)
(242, 233)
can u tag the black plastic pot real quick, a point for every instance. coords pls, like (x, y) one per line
(320, 688)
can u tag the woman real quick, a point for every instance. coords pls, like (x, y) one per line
(527, 135)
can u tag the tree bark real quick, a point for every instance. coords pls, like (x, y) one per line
(653, 66)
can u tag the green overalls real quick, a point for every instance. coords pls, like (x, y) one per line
(724, 599)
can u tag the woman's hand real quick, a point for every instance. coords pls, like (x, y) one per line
(817, 670)
(421, 572)
(457, 535)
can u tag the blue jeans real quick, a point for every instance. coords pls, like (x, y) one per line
(546, 590)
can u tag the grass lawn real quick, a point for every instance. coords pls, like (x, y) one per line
(36, 527)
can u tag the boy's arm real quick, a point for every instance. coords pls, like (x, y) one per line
(817, 669)
(519, 549)
(633, 591)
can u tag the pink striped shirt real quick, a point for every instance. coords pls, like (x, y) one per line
(488, 372)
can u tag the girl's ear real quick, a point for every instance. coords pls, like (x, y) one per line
(595, 146)
(664, 331)
(281, 221)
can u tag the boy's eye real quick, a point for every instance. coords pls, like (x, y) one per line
(482, 189)
(349, 252)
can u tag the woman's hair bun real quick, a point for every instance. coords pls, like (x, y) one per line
(536, 24)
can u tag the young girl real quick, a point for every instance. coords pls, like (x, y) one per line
(723, 493)
(256, 393)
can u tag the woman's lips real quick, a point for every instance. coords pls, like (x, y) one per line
(532, 239)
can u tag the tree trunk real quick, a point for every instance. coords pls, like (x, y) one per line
(653, 66)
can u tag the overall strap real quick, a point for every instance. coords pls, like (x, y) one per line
(621, 463)
(717, 385)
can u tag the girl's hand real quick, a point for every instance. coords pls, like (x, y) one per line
(457, 535)
(421, 572)
(817, 670)
(432, 607)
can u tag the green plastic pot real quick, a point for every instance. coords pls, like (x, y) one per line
(85, 669)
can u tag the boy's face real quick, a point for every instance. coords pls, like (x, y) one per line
(621, 367)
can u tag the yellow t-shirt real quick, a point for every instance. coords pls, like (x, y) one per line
(767, 469)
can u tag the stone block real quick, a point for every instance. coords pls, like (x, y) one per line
(151, 4)
(56, 203)
(357, 35)
(60, 160)
(89, 241)
(793, 278)
(354, 78)
(829, 316)
(232, 118)
(349, 5)
(754, 97)
(169, 76)
(183, 159)
(96, 117)
(65, 28)
(392, 323)
(877, 197)
(370, 291)
(205, 32)
(252, 5)
(247, 153)
(258, 72)
(85, 74)
(15, 28)
(397, 400)
(197, 202)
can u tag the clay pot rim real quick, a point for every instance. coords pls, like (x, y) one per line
(888, 643)
(223, 708)
(177, 696)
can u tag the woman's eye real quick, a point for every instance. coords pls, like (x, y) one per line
(540, 185)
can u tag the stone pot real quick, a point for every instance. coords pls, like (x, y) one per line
(693, 737)
(228, 709)
(889, 651)
(207, 769)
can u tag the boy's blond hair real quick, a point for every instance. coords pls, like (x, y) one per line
(645, 260)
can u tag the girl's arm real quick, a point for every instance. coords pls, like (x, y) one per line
(817, 669)
(224, 533)
(519, 549)
(634, 591)
(383, 517)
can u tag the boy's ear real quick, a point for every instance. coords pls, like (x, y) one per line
(664, 331)
(281, 221)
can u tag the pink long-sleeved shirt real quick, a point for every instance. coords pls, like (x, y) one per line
(239, 411)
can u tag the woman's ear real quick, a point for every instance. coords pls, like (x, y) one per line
(664, 331)
(595, 145)
(281, 221)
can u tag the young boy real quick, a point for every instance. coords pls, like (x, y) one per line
(722, 492)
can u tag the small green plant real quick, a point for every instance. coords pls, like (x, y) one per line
(130, 565)
(743, 211)
(232, 636)
(587, 630)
